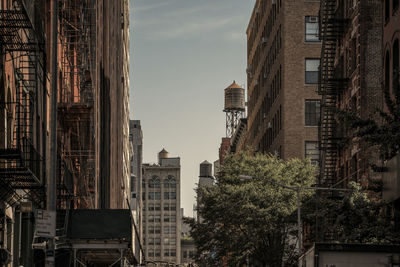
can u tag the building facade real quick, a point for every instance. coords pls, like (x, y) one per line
(391, 50)
(351, 80)
(24, 126)
(161, 209)
(92, 105)
(283, 55)
(136, 145)
(112, 103)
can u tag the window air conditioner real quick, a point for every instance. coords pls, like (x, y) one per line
(313, 19)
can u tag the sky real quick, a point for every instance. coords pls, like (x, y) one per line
(183, 54)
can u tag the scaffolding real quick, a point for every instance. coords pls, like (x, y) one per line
(21, 164)
(75, 99)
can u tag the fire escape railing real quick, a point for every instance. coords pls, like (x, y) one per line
(21, 164)
(331, 82)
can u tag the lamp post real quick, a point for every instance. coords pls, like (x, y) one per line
(297, 189)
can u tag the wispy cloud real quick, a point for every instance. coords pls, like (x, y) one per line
(195, 28)
(142, 8)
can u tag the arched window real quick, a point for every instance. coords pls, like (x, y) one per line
(170, 182)
(387, 72)
(396, 69)
(395, 5)
(157, 183)
(154, 182)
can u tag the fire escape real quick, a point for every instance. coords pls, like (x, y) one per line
(75, 101)
(331, 83)
(21, 164)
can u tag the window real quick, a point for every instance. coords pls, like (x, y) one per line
(312, 152)
(312, 110)
(157, 195)
(166, 195)
(395, 5)
(312, 29)
(185, 254)
(158, 253)
(312, 72)
(387, 10)
(387, 72)
(166, 206)
(396, 68)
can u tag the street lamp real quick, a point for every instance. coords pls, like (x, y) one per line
(297, 189)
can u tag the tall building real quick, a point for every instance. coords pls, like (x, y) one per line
(161, 209)
(112, 103)
(92, 124)
(24, 126)
(136, 143)
(351, 80)
(283, 55)
(391, 54)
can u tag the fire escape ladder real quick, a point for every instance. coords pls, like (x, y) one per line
(21, 164)
(330, 83)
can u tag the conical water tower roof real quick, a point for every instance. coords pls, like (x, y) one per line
(233, 85)
(163, 151)
(205, 163)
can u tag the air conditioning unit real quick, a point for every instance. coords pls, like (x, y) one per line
(264, 40)
(269, 125)
(265, 75)
(313, 19)
(264, 116)
(256, 82)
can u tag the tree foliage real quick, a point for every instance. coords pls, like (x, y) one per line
(252, 219)
(383, 130)
(351, 217)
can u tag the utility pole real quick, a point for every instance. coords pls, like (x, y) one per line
(52, 177)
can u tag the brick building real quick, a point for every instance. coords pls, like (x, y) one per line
(351, 80)
(92, 95)
(283, 51)
(391, 37)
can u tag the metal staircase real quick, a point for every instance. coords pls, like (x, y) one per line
(331, 83)
(21, 164)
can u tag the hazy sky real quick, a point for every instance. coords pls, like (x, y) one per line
(184, 53)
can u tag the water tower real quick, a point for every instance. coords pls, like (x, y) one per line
(234, 107)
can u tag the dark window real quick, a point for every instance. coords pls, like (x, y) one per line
(395, 5)
(312, 29)
(166, 195)
(312, 152)
(396, 70)
(387, 72)
(387, 10)
(312, 112)
(312, 66)
(354, 54)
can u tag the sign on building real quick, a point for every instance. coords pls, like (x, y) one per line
(45, 223)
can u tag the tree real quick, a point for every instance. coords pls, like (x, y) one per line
(383, 130)
(254, 219)
(350, 217)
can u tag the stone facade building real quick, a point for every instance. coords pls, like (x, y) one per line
(283, 55)
(161, 209)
